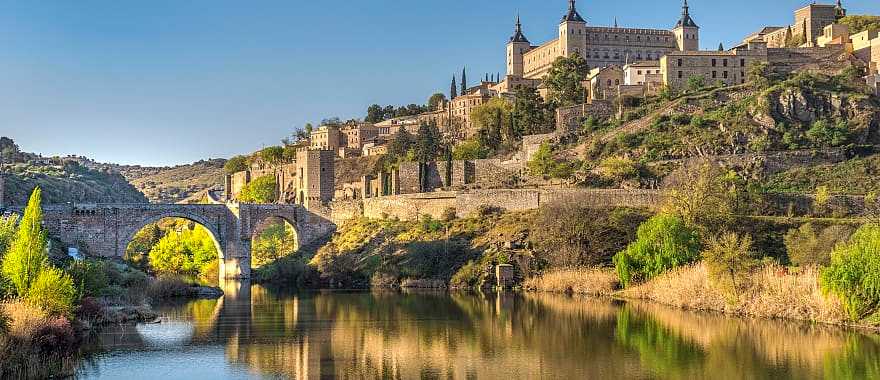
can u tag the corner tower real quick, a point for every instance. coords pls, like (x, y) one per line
(687, 33)
(572, 32)
(516, 49)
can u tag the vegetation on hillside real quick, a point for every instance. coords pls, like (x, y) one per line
(181, 183)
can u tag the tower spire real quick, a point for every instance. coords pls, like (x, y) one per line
(518, 35)
(572, 14)
(686, 19)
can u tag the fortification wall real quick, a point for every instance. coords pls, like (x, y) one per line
(568, 119)
(831, 59)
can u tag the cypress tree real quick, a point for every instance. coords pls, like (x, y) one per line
(464, 81)
(453, 92)
(27, 254)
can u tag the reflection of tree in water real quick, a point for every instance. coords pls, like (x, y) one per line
(859, 360)
(658, 347)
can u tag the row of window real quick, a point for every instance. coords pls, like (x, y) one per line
(615, 37)
(742, 62)
(724, 75)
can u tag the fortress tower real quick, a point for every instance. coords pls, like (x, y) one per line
(687, 33)
(516, 49)
(572, 32)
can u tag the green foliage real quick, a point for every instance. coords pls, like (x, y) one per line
(27, 255)
(618, 168)
(89, 277)
(854, 273)
(236, 164)
(531, 115)
(428, 143)
(140, 246)
(276, 241)
(810, 245)
(730, 262)
(469, 150)
(187, 251)
(435, 100)
(273, 155)
(662, 243)
(8, 226)
(568, 234)
(261, 190)
(564, 81)
(705, 196)
(544, 164)
(493, 120)
(53, 291)
(825, 134)
(430, 225)
(860, 23)
(696, 83)
(855, 176)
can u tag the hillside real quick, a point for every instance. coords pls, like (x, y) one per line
(786, 134)
(68, 183)
(175, 184)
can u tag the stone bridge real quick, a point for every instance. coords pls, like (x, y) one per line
(106, 229)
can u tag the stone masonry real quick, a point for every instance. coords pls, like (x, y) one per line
(105, 230)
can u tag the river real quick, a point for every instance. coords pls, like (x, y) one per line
(256, 333)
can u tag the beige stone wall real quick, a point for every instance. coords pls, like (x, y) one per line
(729, 67)
(813, 19)
(536, 62)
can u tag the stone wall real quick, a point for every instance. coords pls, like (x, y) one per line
(532, 143)
(568, 119)
(831, 59)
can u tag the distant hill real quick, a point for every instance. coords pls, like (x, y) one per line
(65, 183)
(182, 183)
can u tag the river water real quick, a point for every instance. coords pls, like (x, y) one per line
(255, 333)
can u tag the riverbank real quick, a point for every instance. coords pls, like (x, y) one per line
(775, 292)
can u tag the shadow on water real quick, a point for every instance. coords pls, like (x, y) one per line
(254, 332)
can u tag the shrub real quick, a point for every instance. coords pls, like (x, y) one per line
(824, 134)
(854, 273)
(544, 164)
(808, 246)
(449, 214)
(469, 150)
(822, 198)
(468, 276)
(261, 190)
(89, 277)
(568, 234)
(705, 196)
(53, 291)
(618, 168)
(27, 255)
(730, 262)
(429, 225)
(662, 242)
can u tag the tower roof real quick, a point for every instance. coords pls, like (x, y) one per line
(518, 35)
(572, 15)
(686, 20)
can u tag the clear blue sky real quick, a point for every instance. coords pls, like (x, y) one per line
(167, 81)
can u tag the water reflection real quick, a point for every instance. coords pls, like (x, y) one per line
(257, 333)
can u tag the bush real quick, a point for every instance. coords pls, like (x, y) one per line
(824, 134)
(618, 168)
(544, 164)
(705, 196)
(449, 214)
(729, 261)
(808, 246)
(568, 234)
(89, 277)
(261, 190)
(53, 291)
(469, 150)
(663, 242)
(8, 226)
(468, 276)
(854, 273)
(169, 287)
(429, 225)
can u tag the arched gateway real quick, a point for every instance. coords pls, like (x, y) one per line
(107, 229)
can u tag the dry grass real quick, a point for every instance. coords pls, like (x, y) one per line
(773, 293)
(590, 281)
(169, 287)
(36, 345)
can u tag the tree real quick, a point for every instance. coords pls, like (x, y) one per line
(435, 100)
(469, 150)
(261, 190)
(662, 243)
(860, 23)
(530, 114)
(853, 273)
(184, 250)
(453, 91)
(490, 119)
(464, 81)
(704, 196)
(427, 146)
(759, 74)
(730, 262)
(273, 155)
(27, 255)
(696, 83)
(375, 114)
(8, 226)
(544, 164)
(565, 80)
(274, 242)
(236, 164)
(8, 150)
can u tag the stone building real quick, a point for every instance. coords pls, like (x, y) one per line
(603, 83)
(728, 67)
(461, 107)
(600, 46)
(308, 181)
(640, 73)
(809, 25)
(326, 137)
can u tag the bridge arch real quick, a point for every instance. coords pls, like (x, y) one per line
(127, 233)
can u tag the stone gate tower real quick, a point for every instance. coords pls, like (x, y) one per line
(687, 33)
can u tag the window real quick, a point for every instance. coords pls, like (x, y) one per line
(680, 75)
(714, 62)
(639, 72)
(617, 82)
(679, 62)
(742, 63)
(724, 63)
(724, 75)
(714, 74)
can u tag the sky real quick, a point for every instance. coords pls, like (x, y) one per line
(165, 82)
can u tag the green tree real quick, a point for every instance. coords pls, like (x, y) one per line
(490, 119)
(530, 113)
(435, 100)
(453, 91)
(8, 226)
(759, 74)
(273, 155)
(27, 255)
(464, 85)
(274, 242)
(808, 245)
(184, 250)
(236, 164)
(375, 114)
(860, 23)
(469, 150)
(428, 144)
(730, 261)
(696, 83)
(261, 190)
(544, 164)
(53, 291)
(662, 243)
(825, 134)
(565, 80)
(705, 196)
(854, 273)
